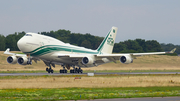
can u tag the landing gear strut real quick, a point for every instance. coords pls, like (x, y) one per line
(29, 62)
(49, 70)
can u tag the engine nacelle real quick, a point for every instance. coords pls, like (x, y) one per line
(87, 60)
(22, 60)
(12, 59)
(126, 59)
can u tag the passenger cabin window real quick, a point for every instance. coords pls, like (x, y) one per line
(28, 35)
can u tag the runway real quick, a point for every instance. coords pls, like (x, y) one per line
(40, 74)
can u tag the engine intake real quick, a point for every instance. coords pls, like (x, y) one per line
(126, 59)
(12, 60)
(87, 61)
(22, 60)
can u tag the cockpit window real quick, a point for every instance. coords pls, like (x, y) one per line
(28, 35)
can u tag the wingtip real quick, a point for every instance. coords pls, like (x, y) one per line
(172, 51)
(7, 50)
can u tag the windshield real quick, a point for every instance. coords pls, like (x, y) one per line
(28, 35)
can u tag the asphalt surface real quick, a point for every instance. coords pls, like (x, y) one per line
(39, 74)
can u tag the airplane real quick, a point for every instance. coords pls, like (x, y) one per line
(52, 51)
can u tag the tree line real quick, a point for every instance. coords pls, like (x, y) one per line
(90, 41)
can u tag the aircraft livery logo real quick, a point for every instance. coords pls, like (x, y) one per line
(114, 31)
(110, 40)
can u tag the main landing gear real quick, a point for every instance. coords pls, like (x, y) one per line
(49, 70)
(63, 70)
(74, 70)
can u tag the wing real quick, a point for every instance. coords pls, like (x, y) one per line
(115, 57)
(104, 58)
(14, 54)
(20, 55)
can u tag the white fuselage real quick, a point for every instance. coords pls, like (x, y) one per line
(45, 48)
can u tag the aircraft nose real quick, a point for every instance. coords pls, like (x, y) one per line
(21, 44)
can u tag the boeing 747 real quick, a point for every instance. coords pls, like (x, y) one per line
(52, 51)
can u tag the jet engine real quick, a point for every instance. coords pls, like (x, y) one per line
(12, 59)
(22, 60)
(87, 60)
(126, 59)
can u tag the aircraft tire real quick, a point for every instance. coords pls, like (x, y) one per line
(49, 71)
(71, 71)
(52, 70)
(63, 71)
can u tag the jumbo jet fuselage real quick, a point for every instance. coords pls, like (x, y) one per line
(45, 48)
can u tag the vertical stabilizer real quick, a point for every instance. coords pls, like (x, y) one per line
(108, 43)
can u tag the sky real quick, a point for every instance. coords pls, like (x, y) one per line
(145, 19)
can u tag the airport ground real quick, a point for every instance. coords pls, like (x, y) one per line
(155, 62)
(49, 82)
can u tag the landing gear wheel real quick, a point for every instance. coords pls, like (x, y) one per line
(52, 70)
(81, 71)
(47, 69)
(72, 71)
(76, 70)
(63, 71)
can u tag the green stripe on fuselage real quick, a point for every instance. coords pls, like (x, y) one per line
(52, 48)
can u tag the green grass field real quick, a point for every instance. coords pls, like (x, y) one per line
(63, 87)
(86, 93)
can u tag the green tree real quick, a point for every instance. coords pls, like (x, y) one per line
(2, 43)
(119, 47)
(142, 43)
(86, 44)
(133, 45)
(153, 46)
(11, 42)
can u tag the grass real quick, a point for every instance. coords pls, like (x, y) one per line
(62, 87)
(86, 93)
(98, 81)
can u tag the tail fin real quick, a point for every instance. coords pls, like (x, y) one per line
(108, 43)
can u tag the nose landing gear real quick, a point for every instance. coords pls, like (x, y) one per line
(29, 62)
